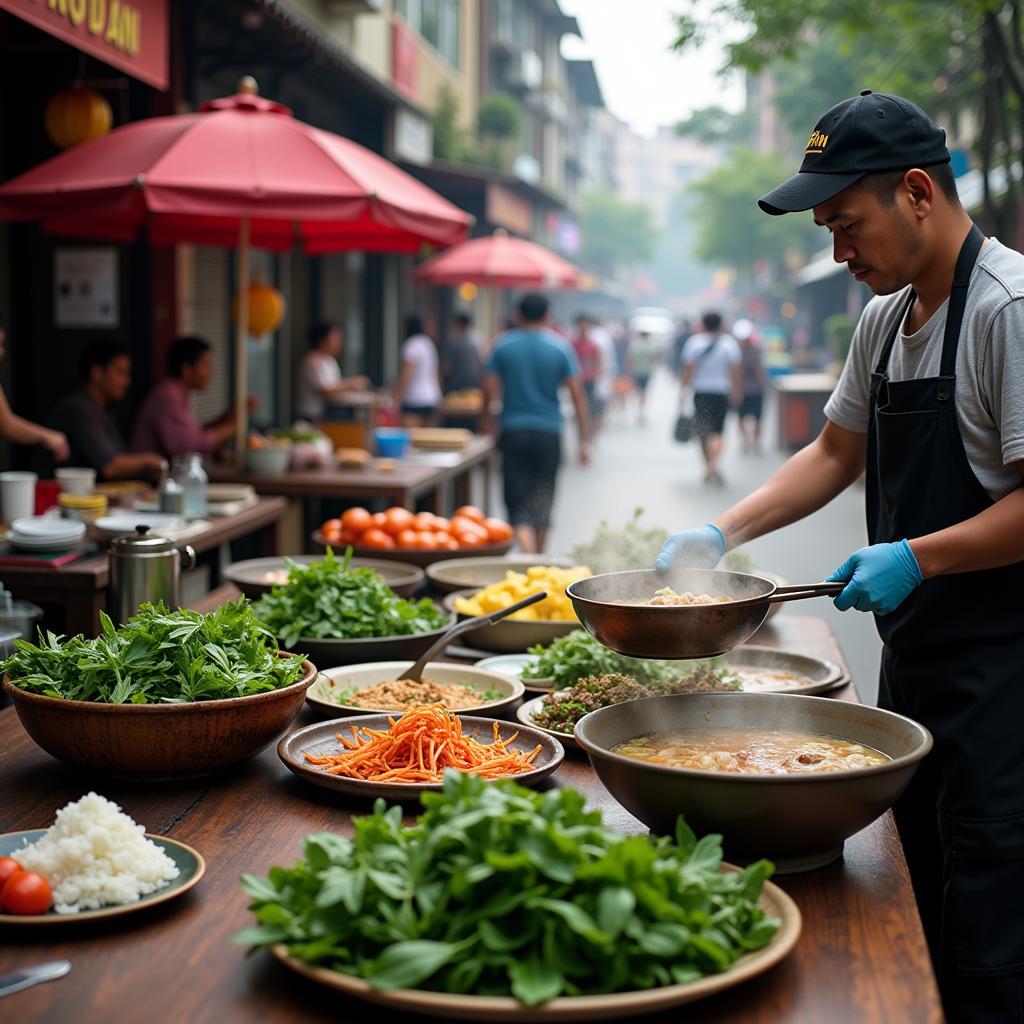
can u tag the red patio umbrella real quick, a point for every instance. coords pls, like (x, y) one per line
(242, 171)
(499, 261)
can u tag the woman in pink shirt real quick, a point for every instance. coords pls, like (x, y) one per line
(166, 422)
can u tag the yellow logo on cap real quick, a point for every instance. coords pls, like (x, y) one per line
(817, 142)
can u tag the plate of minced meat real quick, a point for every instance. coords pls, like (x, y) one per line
(378, 686)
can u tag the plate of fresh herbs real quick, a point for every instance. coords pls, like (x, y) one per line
(504, 904)
(338, 614)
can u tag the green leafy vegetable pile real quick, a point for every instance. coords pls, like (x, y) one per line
(616, 550)
(570, 658)
(497, 890)
(328, 600)
(157, 657)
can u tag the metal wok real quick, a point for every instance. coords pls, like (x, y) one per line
(613, 608)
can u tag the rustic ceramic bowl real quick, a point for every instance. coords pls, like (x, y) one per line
(157, 742)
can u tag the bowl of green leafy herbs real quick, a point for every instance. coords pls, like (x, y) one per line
(339, 614)
(168, 695)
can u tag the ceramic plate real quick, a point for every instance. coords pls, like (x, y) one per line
(323, 739)
(323, 695)
(115, 526)
(624, 1005)
(189, 862)
(769, 670)
(512, 665)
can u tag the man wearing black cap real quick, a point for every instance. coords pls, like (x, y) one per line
(930, 406)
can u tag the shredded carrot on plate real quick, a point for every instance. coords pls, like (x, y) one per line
(419, 746)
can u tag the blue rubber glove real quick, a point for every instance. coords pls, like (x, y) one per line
(692, 549)
(880, 578)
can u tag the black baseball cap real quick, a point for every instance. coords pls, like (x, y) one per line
(869, 133)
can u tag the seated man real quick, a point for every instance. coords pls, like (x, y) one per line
(84, 417)
(166, 422)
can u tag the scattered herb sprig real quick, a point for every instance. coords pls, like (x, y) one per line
(157, 657)
(330, 600)
(497, 890)
(616, 549)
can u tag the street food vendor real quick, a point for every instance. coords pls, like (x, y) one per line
(930, 406)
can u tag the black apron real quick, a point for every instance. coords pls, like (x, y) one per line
(954, 661)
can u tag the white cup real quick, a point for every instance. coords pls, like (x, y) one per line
(76, 480)
(17, 495)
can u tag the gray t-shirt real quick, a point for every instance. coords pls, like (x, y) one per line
(91, 430)
(989, 365)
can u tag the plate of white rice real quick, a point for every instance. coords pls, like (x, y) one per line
(100, 863)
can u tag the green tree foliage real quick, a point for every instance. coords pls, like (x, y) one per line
(730, 227)
(714, 126)
(449, 138)
(949, 57)
(615, 233)
(500, 116)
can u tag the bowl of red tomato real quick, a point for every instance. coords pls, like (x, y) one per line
(420, 538)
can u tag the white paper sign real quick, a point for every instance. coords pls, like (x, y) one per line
(85, 287)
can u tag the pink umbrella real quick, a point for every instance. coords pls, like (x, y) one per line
(499, 261)
(243, 172)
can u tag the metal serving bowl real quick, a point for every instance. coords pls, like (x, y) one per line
(464, 573)
(800, 821)
(510, 636)
(613, 607)
(248, 576)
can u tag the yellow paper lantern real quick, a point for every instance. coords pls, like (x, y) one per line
(77, 115)
(266, 308)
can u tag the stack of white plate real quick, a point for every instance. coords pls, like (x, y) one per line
(159, 523)
(46, 534)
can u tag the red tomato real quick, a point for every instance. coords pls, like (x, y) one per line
(424, 522)
(498, 530)
(25, 892)
(451, 545)
(8, 866)
(331, 526)
(460, 523)
(397, 520)
(355, 520)
(376, 539)
(379, 520)
(407, 539)
(442, 525)
(425, 540)
(472, 538)
(471, 512)
(441, 538)
(333, 538)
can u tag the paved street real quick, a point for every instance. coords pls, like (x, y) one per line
(643, 466)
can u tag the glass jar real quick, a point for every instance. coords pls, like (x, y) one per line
(190, 474)
(172, 496)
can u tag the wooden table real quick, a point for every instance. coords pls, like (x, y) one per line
(861, 956)
(410, 483)
(80, 589)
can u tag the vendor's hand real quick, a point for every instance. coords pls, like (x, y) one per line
(879, 578)
(692, 549)
(57, 443)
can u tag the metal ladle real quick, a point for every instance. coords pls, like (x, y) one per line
(414, 672)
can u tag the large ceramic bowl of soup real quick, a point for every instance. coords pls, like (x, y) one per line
(782, 776)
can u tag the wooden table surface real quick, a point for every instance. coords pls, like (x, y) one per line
(408, 482)
(861, 956)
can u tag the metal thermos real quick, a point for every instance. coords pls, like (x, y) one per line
(144, 568)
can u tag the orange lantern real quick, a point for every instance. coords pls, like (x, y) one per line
(266, 308)
(77, 115)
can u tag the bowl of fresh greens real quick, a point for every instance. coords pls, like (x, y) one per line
(168, 695)
(338, 614)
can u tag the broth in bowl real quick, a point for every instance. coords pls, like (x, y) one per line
(751, 751)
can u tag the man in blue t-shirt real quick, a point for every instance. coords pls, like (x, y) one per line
(527, 367)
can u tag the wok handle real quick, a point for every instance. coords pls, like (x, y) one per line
(799, 591)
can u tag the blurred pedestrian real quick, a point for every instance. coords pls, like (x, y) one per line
(85, 418)
(640, 360)
(588, 356)
(418, 388)
(682, 336)
(605, 387)
(320, 381)
(462, 367)
(754, 382)
(527, 368)
(21, 431)
(166, 422)
(711, 367)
